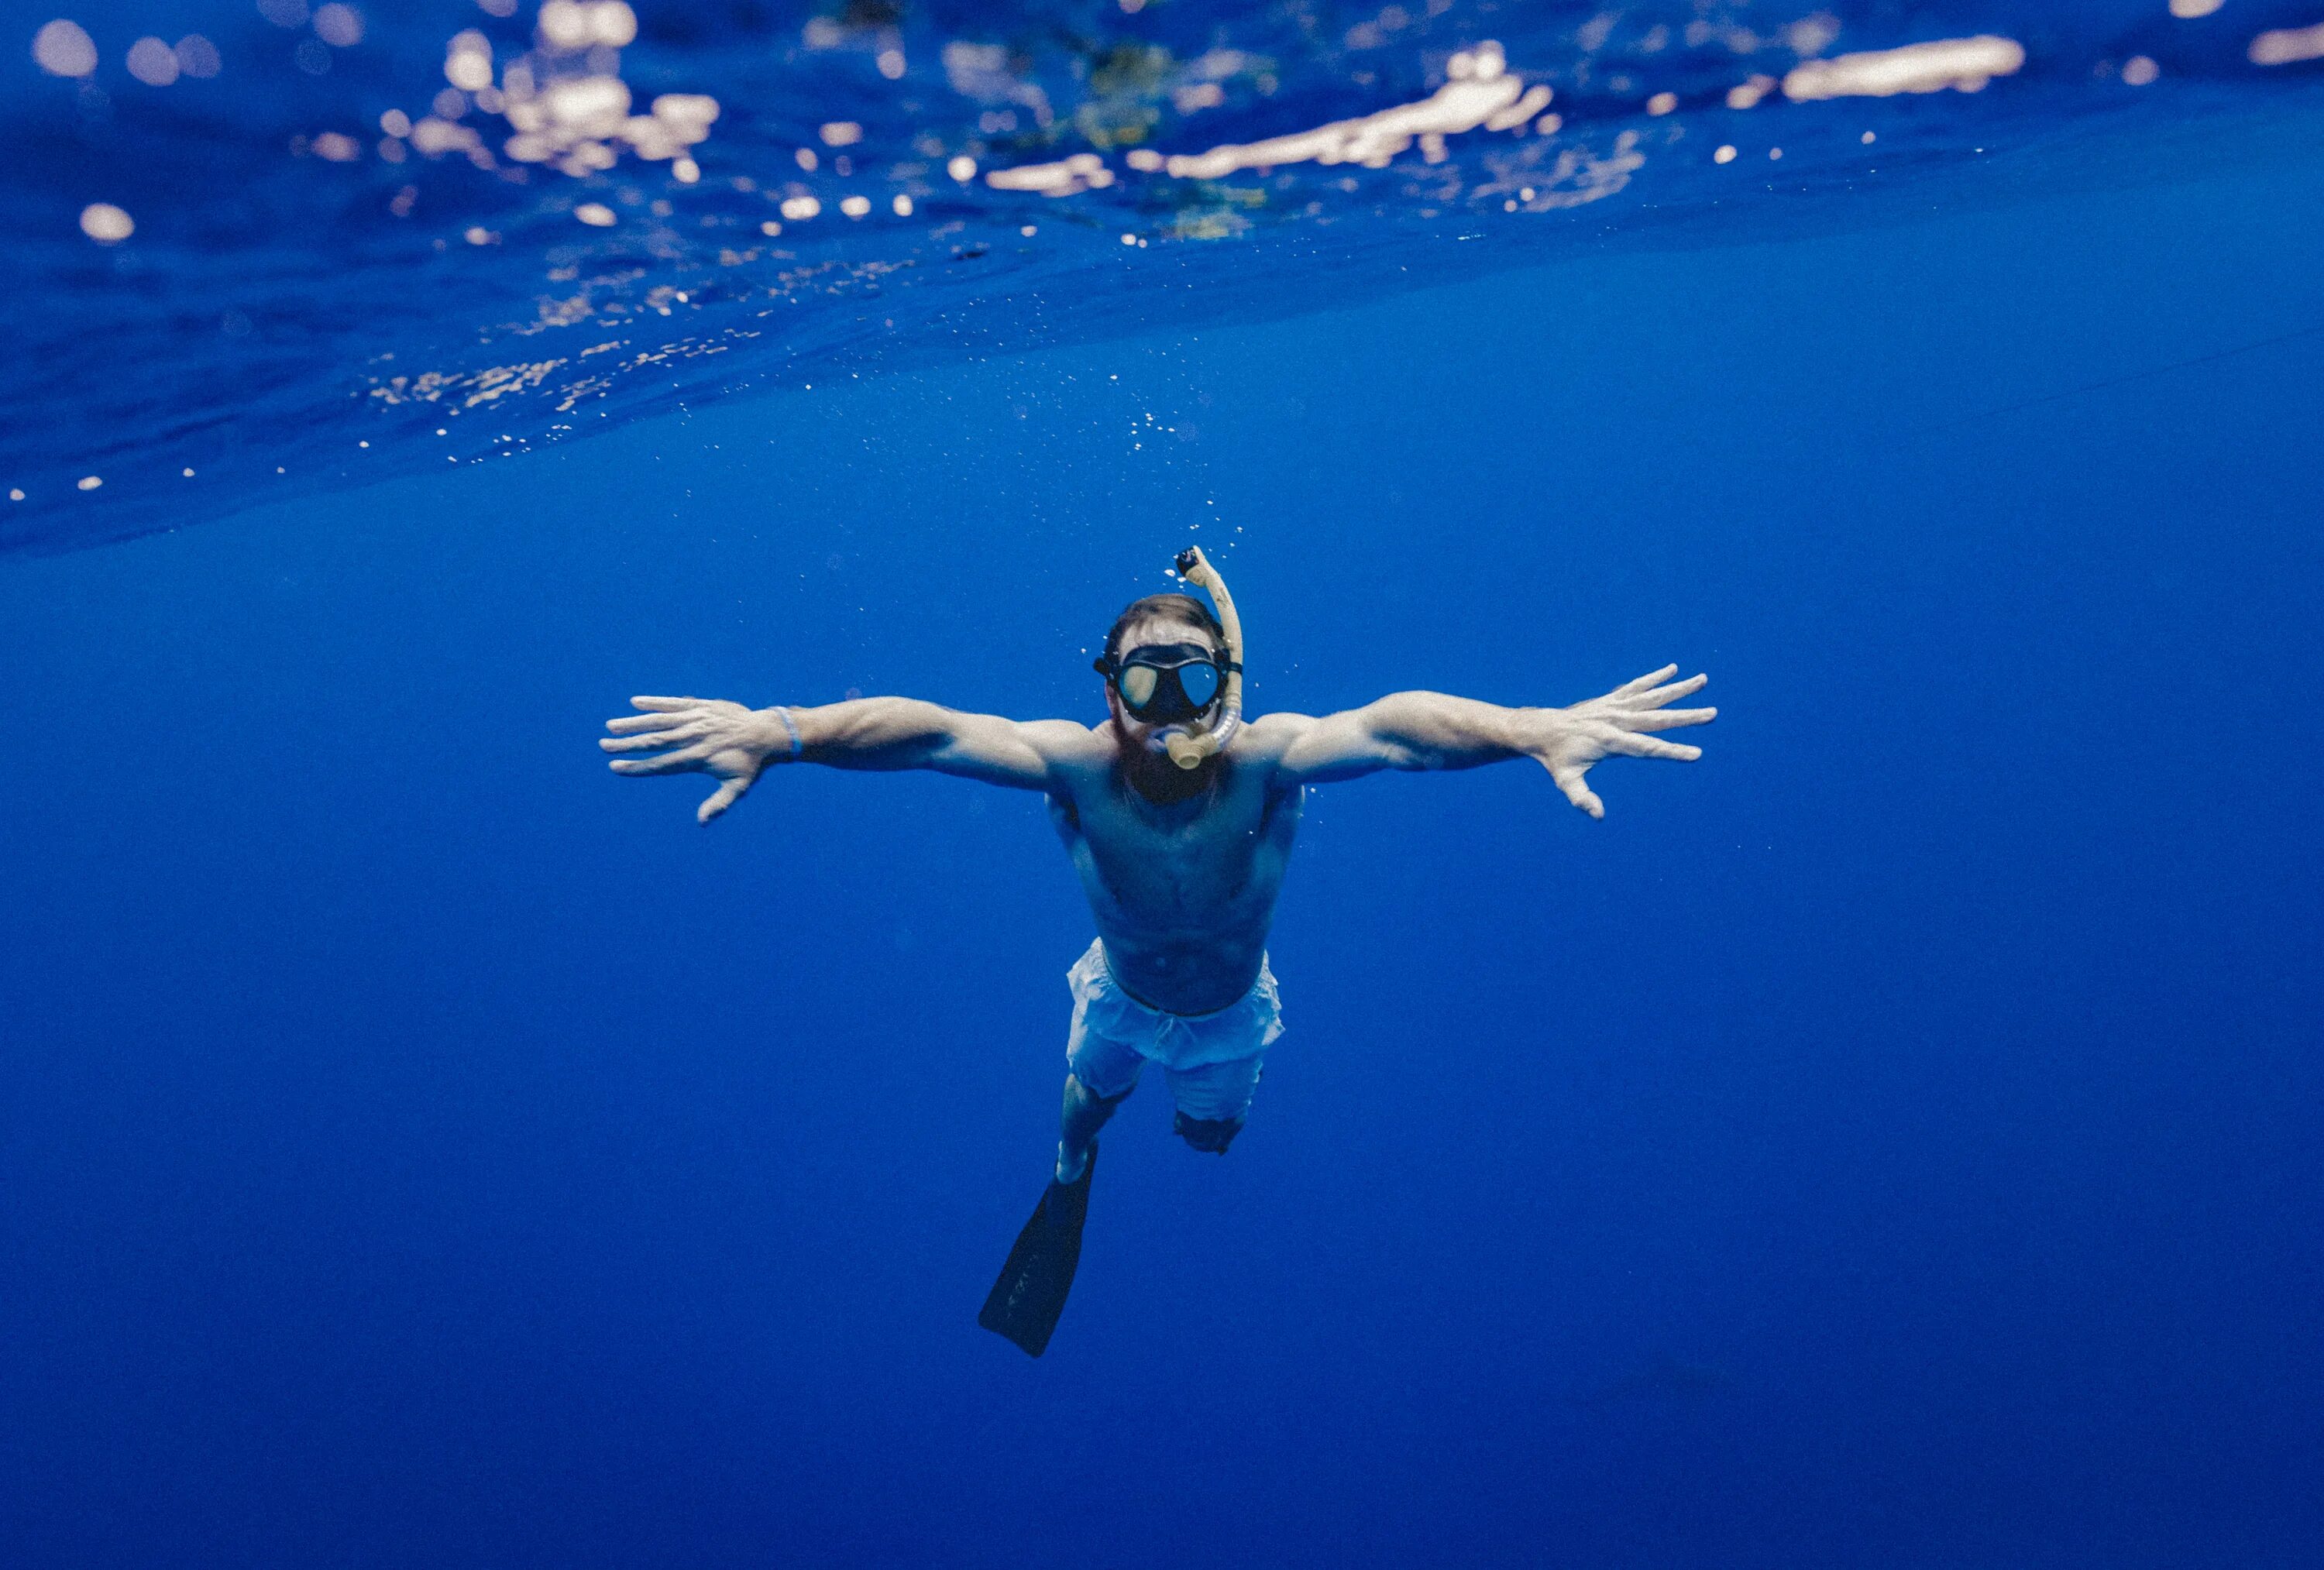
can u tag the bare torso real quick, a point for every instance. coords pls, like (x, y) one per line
(1181, 868)
(1183, 889)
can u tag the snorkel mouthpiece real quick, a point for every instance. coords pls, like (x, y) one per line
(1189, 746)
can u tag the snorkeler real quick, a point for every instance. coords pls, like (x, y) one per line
(1179, 816)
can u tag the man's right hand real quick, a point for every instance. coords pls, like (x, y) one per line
(704, 735)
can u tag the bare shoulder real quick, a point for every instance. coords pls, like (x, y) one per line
(1067, 743)
(1264, 740)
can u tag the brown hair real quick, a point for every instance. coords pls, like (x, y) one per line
(1182, 608)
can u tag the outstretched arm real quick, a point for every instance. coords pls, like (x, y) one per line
(734, 744)
(1419, 731)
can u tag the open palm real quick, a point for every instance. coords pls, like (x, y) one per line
(710, 736)
(1570, 740)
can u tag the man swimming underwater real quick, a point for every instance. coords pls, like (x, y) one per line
(1179, 817)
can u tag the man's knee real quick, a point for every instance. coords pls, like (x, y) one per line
(1211, 1135)
(1081, 1098)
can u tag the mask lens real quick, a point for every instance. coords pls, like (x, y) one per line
(1137, 684)
(1201, 682)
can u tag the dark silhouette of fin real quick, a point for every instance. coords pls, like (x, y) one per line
(1025, 1302)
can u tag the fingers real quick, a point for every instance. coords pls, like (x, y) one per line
(1568, 777)
(677, 762)
(658, 719)
(1675, 691)
(665, 733)
(1667, 719)
(653, 742)
(1651, 679)
(1632, 745)
(723, 797)
(671, 719)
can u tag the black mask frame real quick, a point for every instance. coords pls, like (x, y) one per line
(1167, 701)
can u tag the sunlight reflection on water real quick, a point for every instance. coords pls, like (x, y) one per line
(336, 226)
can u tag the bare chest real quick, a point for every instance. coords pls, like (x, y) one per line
(1184, 865)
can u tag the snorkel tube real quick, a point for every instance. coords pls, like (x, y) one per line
(1189, 746)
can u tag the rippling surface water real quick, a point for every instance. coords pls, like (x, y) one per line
(256, 252)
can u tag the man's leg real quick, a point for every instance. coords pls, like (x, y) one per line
(1029, 1294)
(1210, 1135)
(1212, 1101)
(1085, 1113)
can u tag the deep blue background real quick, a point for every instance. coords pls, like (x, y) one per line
(1890, 1141)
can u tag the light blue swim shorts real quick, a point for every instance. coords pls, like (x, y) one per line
(1211, 1061)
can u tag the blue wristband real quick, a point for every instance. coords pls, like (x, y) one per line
(797, 746)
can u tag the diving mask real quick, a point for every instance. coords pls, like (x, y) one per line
(1173, 686)
(1167, 683)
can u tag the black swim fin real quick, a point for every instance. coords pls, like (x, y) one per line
(1027, 1300)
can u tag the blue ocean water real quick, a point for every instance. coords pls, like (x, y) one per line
(1890, 1140)
(302, 248)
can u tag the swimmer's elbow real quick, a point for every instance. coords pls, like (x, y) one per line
(883, 733)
